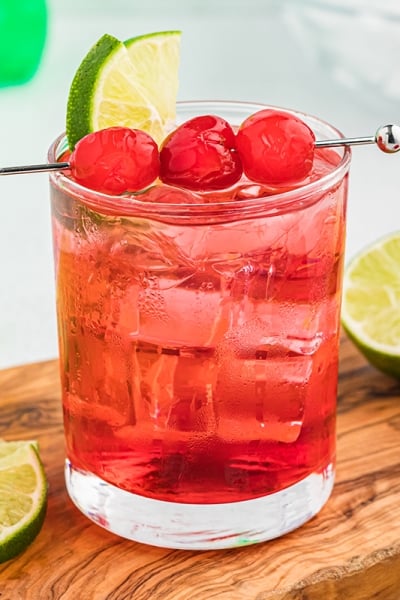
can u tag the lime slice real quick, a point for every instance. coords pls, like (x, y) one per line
(23, 496)
(132, 85)
(155, 58)
(104, 94)
(371, 303)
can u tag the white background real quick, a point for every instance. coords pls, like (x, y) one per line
(337, 60)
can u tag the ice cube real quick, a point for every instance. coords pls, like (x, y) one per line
(174, 390)
(261, 386)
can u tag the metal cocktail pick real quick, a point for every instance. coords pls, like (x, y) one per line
(387, 138)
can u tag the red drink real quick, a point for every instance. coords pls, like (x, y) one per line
(199, 342)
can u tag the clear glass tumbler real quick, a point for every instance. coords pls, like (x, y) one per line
(198, 343)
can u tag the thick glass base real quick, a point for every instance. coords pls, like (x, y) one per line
(197, 526)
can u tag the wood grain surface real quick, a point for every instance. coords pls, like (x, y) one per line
(350, 551)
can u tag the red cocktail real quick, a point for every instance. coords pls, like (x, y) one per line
(199, 350)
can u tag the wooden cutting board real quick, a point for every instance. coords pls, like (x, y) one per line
(350, 551)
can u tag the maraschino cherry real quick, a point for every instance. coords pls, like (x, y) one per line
(201, 155)
(275, 147)
(115, 160)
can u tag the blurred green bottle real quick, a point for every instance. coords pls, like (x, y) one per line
(23, 29)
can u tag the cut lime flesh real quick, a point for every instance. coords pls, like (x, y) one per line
(155, 58)
(132, 84)
(23, 497)
(371, 303)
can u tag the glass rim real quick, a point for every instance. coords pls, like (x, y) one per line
(131, 204)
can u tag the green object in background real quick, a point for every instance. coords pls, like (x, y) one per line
(23, 29)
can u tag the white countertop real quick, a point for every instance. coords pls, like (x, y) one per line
(254, 50)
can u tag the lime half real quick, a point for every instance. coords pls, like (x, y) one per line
(23, 497)
(129, 85)
(371, 303)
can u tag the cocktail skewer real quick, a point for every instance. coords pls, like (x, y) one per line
(387, 138)
(60, 166)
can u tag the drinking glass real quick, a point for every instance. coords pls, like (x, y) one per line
(198, 338)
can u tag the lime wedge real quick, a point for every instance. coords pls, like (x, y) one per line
(155, 58)
(23, 497)
(104, 94)
(132, 85)
(371, 303)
